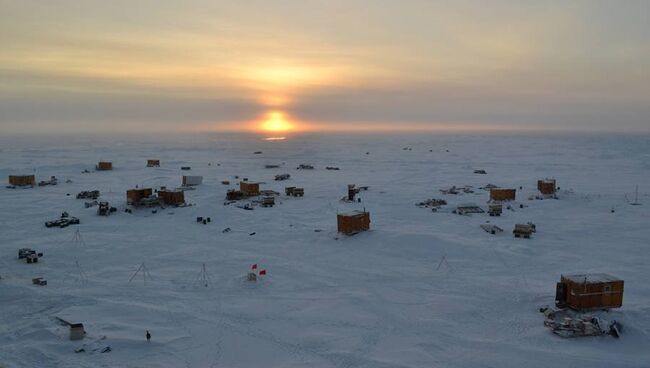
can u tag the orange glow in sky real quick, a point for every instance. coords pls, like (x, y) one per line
(276, 121)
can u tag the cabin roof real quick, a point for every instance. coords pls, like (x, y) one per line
(591, 278)
(353, 213)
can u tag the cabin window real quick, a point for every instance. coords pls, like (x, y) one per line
(607, 289)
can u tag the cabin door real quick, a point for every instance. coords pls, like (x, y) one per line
(607, 296)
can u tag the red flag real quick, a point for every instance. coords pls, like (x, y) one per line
(254, 267)
(263, 272)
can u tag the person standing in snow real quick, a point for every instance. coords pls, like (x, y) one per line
(148, 336)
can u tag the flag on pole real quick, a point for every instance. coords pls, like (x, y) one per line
(254, 267)
(263, 272)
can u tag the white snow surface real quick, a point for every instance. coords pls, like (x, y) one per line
(382, 298)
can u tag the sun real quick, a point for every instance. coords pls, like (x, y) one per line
(276, 121)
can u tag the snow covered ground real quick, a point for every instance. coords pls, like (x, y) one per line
(377, 299)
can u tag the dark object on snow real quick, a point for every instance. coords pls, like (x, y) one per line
(257, 152)
(432, 203)
(92, 194)
(331, 168)
(226, 230)
(280, 177)
(148, 335)
(253, 233)
(233, 195)
(77, 331)
(305, 167)
(352, 191)
(495, 209)
(64, 221)
(480, 172)
(105, 209)
(567, 323)
(492, 229)
(199, 219)
(104, 166)
(293, 191)
(268, 201)
(467, 209)
(52, 181)
(523, 230)
(185, 168)
(39, 281)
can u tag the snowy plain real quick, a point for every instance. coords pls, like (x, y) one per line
(382, 298)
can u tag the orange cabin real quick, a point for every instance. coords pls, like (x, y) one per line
(589, 291)
(546, 186)
(104, 165)
(171, 197)
(22, 180)
(353, 222)
(133, 196)
(249, 189)
(501, 194)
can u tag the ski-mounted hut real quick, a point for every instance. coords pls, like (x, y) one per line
(249, 188)
(22, 180)
(546, 186)
(589, 291)
(353, 222)
(172, 197)
(104, 165)
(153, 163)
(502, 194)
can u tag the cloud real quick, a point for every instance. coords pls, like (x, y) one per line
(552, 64)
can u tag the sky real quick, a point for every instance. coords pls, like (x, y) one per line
(193, 66)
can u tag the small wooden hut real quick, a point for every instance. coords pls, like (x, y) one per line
(546, 186)
(589, 291)
(249, 188)
(353, 222)
(153, 163)
(172, 197)
(134, 196)
(501, 194)
(22, 180)
(104, 165)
